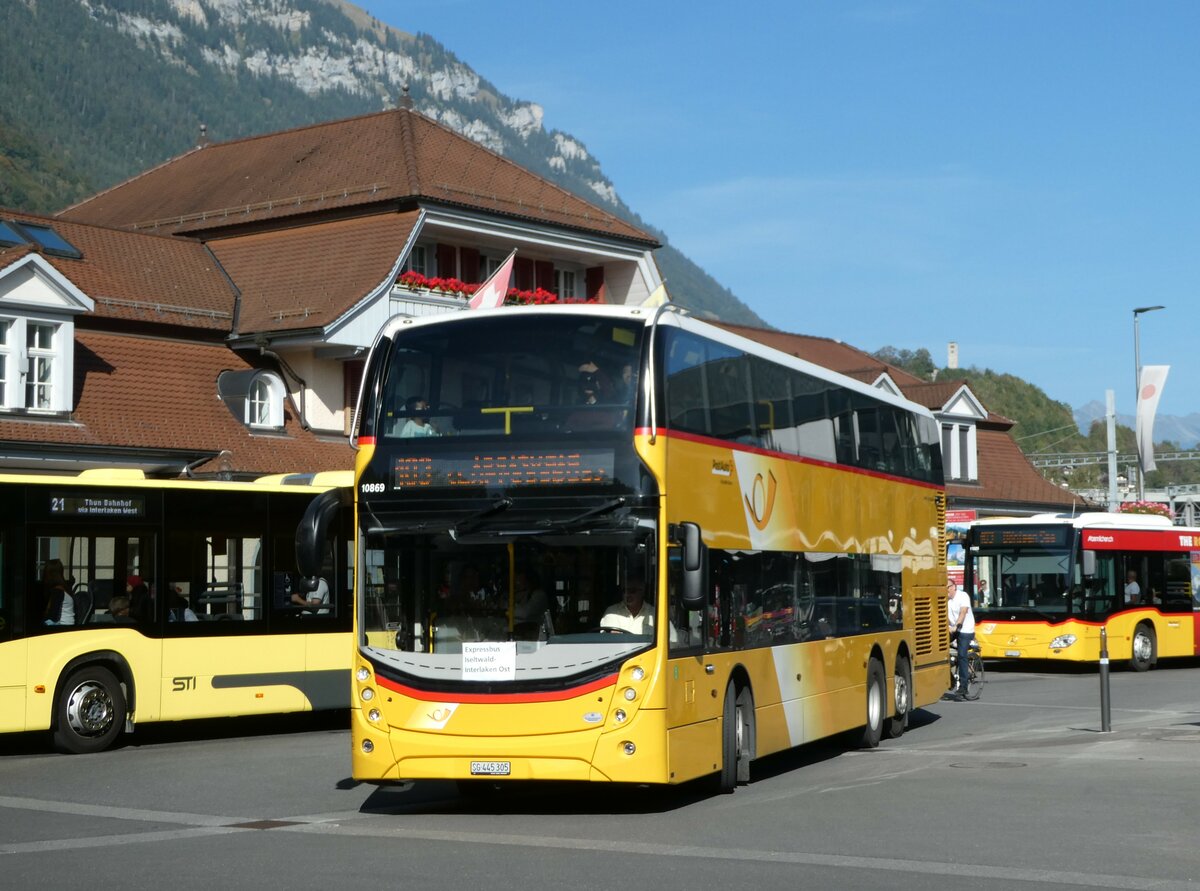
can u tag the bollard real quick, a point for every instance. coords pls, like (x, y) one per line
(1105, 709)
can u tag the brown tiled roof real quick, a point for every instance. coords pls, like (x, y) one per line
(144, 393)
(1005, 475)
(134, 276)
(828, 353)
(305, 277)
(391, 156)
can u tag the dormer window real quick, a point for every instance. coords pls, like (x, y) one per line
(33, 365)
(264, 401)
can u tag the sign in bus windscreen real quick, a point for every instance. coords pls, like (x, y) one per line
(503, 469)
(1023, 536)
(100, 504)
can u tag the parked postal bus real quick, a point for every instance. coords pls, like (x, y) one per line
(616, 544)
(1055, 581)
(126, 600)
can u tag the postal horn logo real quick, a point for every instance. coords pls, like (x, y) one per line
(760, 503)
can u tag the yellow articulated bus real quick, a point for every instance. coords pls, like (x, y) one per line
(1056, 580)
(126, 600)
(619, 544)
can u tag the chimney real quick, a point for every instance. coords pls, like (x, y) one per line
(952, 354)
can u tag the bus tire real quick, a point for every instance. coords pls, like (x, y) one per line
(733, 736)
(901, 701)
(1144, 651)
(89, 712)
(872, 731)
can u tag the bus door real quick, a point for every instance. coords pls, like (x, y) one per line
(219, 657)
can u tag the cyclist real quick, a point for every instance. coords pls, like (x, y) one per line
(961, 620)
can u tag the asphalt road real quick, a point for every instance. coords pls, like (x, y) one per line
(1017, 790)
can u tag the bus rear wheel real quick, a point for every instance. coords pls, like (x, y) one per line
(901, 700)
(1145, 648)
(90, 711)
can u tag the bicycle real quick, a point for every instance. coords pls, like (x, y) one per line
(975, 670)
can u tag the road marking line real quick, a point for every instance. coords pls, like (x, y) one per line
(388, 828)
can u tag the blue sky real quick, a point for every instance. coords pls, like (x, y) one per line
(1013, 176)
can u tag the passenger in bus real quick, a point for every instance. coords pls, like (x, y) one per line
(182, 610)
(981, 594)
(1133, 591)
(529, 600)
(593, 390)
(631, 614)
(118, 608)
(418, 419)
(60, 605)
(141, 606)
(315, 602)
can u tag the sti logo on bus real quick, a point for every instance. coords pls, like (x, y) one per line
(180, 684)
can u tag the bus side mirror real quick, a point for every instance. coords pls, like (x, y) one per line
(693, 566)
(312, 535)
(1089, 564)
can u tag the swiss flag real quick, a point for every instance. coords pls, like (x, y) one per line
(493, 291)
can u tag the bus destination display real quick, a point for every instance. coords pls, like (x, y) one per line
(1023, 536)
(98, 505)
(505, 469)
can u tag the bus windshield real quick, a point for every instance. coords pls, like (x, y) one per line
(556, 604)
(1038, 577)
(487, 376)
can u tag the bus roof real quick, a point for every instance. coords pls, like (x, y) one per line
(135, 478)
(1089, 520)
(668, 314)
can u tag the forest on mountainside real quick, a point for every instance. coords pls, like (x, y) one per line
(112, 89)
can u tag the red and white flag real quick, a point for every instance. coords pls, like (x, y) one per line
(493, 291)
(1149, 389)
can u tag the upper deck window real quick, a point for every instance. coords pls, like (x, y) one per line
(523, 375)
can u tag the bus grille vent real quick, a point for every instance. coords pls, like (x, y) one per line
(924, 624)
(944, 542)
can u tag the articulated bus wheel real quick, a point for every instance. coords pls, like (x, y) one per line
(89, 712)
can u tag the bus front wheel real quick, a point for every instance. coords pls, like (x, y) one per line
(735, 735)
(1145, 648)
(90, 711)
(872, 731)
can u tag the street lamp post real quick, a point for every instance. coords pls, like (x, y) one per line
(1137, 394)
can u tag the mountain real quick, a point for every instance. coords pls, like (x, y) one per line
(1183, 430)
(114, 87)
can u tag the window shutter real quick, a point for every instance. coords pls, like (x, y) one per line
(447, 261)
(544, 274)
(523, 274)
(468, 258)
(595, 283)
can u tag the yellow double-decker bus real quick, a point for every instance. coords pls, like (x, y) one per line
(619, 544)
(1056, 581)
(126, 600)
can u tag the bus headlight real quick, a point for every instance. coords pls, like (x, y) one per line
(630, 694)
(620, 715)
(373, 715)
(628, 748)
(637, 673)
(367, 694)
(364, 673)
(1062, 641)
(368, 747)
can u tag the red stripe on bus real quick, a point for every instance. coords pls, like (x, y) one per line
(785, 456)
(366, 440)
(1141, 539)
(546, 696)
